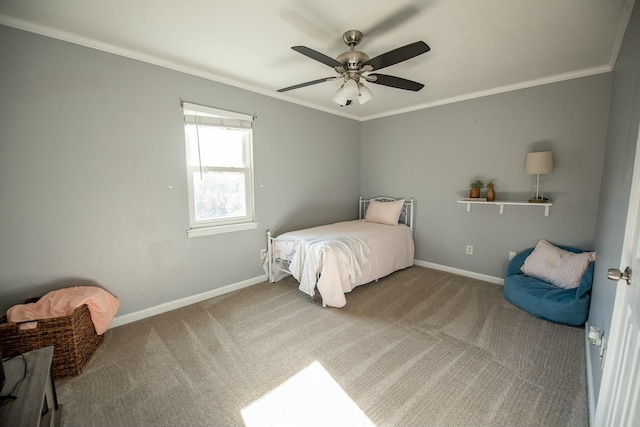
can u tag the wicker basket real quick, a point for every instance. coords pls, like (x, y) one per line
(73, 337)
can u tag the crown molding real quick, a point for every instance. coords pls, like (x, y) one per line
(622, 29)
(155, 60)
(198, 72)
(498, 90)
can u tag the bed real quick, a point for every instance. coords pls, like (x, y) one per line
(335, 258)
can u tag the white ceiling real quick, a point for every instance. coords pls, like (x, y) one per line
(477, 47)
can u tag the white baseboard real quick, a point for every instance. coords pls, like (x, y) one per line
(465, 273)
(183, 302)
(590, 397)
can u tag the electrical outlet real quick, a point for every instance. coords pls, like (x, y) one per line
(263, 254)
(469, 249)
(511, 255)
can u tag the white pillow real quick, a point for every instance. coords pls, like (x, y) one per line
(557, 266)
(384, 212)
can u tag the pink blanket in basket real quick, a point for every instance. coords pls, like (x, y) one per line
(102, 307)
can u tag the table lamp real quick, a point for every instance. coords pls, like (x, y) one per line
(538, 163)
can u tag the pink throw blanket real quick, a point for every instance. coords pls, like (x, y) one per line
(102, 307)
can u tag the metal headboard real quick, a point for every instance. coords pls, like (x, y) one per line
(406, 213)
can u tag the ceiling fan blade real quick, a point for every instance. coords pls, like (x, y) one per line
(398, 55)
(320, 57)
(396, 82)
(313, 82)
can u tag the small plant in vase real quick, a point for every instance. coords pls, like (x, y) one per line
(476, 186)
(491, 194)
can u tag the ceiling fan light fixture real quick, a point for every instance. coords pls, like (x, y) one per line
(365, 94)
(350, 89)
(339, 97)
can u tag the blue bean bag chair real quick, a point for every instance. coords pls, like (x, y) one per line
(545, 300)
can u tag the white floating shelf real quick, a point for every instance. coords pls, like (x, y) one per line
(502, 204)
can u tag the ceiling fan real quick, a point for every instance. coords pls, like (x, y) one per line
(353, 66)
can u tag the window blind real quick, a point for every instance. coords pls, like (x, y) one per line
(201, 115)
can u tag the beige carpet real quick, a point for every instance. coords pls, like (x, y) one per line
(419, 348)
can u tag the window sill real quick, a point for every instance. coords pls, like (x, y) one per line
(220, 229)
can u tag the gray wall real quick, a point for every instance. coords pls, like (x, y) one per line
(433, 155)
(91, 142)
(90, 146)
(622, 135)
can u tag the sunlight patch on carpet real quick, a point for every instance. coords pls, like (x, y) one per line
(310, 398)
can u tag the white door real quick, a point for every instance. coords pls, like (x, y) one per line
(619, 399)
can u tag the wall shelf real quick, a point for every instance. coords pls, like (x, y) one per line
(501, 205)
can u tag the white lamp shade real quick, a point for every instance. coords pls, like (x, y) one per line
(350, 89)
(539, 163)
(339, 97)
(365, 94)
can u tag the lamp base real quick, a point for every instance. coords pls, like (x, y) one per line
(538, 200)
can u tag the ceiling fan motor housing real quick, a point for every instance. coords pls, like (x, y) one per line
(353, 59)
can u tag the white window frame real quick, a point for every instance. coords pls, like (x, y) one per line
(201, 115)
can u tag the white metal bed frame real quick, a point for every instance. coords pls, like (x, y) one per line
(406, 217)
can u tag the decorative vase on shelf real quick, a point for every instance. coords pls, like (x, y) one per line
(476, 186)
(491, 194)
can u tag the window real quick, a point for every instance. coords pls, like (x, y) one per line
(219, 170)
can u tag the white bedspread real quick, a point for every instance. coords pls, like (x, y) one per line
(310, 255)
(345, 255)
